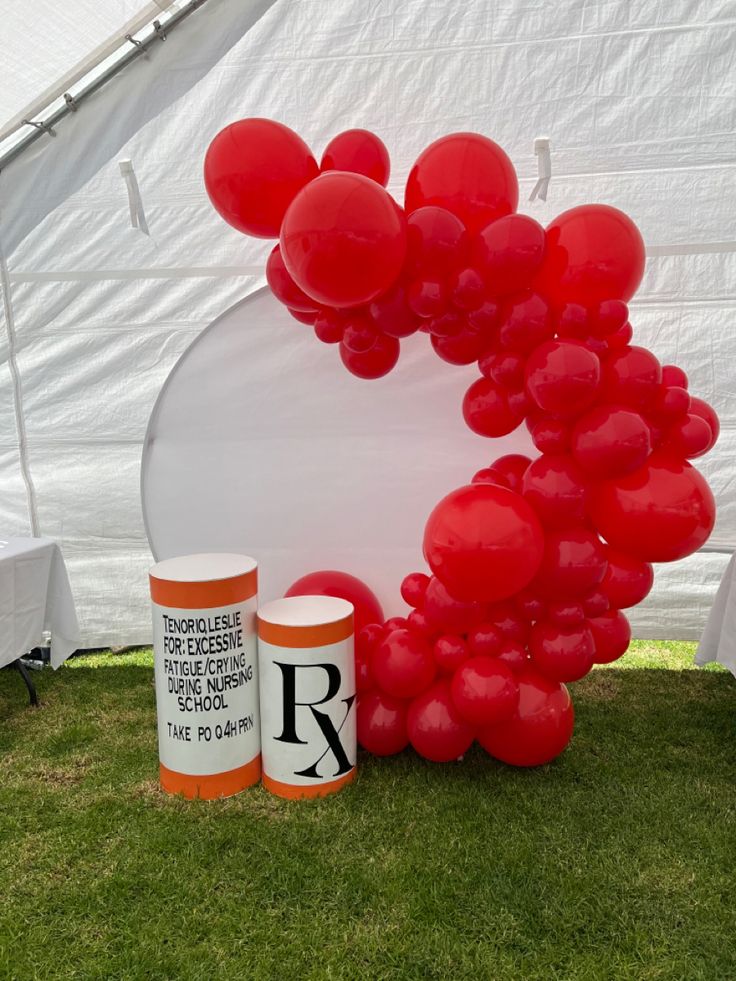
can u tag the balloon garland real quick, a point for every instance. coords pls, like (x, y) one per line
(533, 561)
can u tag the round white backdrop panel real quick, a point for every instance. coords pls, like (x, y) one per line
(261, 442)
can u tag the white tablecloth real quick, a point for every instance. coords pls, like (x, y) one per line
(718, 642)
(35, 596)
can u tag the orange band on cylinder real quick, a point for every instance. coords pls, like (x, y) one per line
(293, 792)
(204, 595)
(318, 635)
(213, 785)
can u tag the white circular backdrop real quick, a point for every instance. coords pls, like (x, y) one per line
(262, 442)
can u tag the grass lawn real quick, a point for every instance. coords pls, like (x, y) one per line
(616, 861)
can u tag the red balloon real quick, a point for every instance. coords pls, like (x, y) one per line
(594, 253)
(368, 638)
(343, 239)
(329, 326)
(573, 320)
(563, 377)
(513, 466)
(690, 437)
(514, 655)
(359, 334)
(484, 691)
(382, 724)
(363, 677)
(427, 297)
(414, 588)
(550, 435)
(674, 376)
(574, 562)
(436, 730)
(283, 286)
(360, 152)
(468, 290)
(610, 317)
(485, 639)
(505, 368)
(596, 603)
(487, 411)
(417, 621)
(402, 664)
(462, 348)
(633, 377)
(487, 475)
(525, 323)
(448, 614)
(485, 318)
(530, 605)
(611, 635)
(392, 314)
(376, 362)
(541, 727)
(483, 542)
(509, 252)
(557, 490)
(467, 174)
(450, 651)
(627, 581)
(330, 582)
(700, 408)
(507, 618)
(395, 623)
(561, 653)
(659, 513)
(437, 242)
(304, 316)
(566, 613)
(672, 404)
(253, 170)
(610, 441)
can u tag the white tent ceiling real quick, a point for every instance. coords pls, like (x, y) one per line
(638, 100)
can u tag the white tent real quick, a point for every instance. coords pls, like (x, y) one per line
(637, 99)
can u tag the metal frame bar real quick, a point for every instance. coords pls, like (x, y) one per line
(72, 104)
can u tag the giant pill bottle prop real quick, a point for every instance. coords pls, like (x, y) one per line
(206, 669)
(306, 670)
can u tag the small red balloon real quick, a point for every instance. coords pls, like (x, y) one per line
(253, 170)
(402, 664)
(610, 441)
(330, 582)
(448, 614)
(304, 316)
(283, 286)
(574, 562)
(487, 411)
(436, 730)
(674, 376)
(513, 466)
(437, 242)
(414, 588)
(467, 290)
(483, 542)
(376, 362)
(514, 655)
(700, 408)
(627, 581)
(561, 653)
(462, 348)
(485, 639)
(329, 326)
(611, 636)
(594, 253)
(632, 377)
(691, 437)
(565, 613)
(392, 314)
(450, 651)
(557, 489)
(359, 335)
(563, 377)
(509, 252)
(360, 152)
(381, 724)
(467, 174)
(541, 727)
(484, 691)
(363, 677)
(525, 322)
(659, 513)
(427, 297)
(368, 637)
(505, 368)
(550, 435)
(343, 239)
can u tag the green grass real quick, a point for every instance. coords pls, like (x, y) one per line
(616, 861)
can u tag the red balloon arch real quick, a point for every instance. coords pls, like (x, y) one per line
(533, 561)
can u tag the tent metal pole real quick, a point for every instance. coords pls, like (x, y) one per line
(138, 48)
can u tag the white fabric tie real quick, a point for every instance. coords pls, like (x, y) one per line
(137, 214)
(544, 169)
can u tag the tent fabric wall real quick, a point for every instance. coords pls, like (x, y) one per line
(638, 100)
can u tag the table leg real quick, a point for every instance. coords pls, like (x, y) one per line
(23, 672)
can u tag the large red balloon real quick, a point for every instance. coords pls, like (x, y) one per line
(382, 723)
(436, 730)
(508, 252)
(563, 377)
(484, 691)
(610, 441)
(343, 239)
(562, 653)
(253, 170)
(467, 174)
(330, 582)
(483, 542)
(594, 253)
(627, 580)
(659, 513)
(402, 665)
(574, 562)
(360, 152)
(540, 729)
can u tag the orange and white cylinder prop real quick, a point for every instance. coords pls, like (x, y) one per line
(206, 669)
(306, 672)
